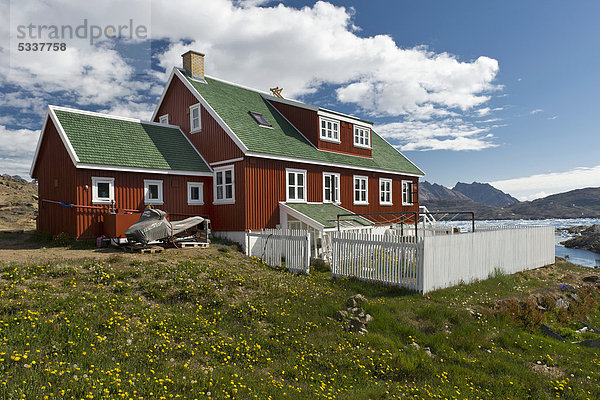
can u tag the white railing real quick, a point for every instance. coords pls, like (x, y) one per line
(389, 259)
(423, 229)
(277, 246)
(434, 262)
(427, 216)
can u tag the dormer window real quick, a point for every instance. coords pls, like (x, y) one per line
(260, 119)
(330, 130)
(362, 137)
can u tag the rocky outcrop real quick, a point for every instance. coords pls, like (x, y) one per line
(588, 239)
(18, 203)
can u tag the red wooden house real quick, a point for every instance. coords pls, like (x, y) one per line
(259, 160)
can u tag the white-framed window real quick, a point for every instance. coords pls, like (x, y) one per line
(103, 190)
(330, 130)
(153, 192)
(361, 189)
(407, 193)
(195, 192)
(224, 185)
(362, 137)
(331, 187)
(195, 120)
(295, 182)
(164, 119)
(385, 191)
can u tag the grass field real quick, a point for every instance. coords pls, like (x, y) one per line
(215, 324)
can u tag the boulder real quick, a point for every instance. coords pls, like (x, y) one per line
(355, 324)
(428, 352)
(366, 319)
(356, 300)
(357, 311)
(562, 303)
(590, 279)
(341, 315)
(574, 297)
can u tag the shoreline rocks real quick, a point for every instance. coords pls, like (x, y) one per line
(588, 239)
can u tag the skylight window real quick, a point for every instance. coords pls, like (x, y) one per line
(260, 119)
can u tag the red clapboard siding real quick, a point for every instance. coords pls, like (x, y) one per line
(346, 144)
(231, 217)
(265, 188)
(129, 194)
(55, 173)
(306, 121)
(212, 142)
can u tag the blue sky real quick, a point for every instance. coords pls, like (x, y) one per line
(502, 92)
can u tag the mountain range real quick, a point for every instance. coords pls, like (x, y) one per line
(488, 202)
(483, 193)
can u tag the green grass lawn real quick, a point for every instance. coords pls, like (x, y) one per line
(215, 324)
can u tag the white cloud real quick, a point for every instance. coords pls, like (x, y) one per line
(447, 134)
(16, 150)
(536, 111)
(553, 117)
(482, 112)
(541, 185)
(141, 111)
(300, 50)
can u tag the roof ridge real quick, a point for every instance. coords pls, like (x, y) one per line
(237, 85)
(109, 116)
(283, 99)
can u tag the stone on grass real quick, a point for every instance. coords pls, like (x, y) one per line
(562, 303)
(340, 315)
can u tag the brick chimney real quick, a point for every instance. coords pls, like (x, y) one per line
(193, 63)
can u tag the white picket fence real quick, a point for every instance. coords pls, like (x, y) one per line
(452, 259)
(434, 262)
(277, 246)
(388, 259)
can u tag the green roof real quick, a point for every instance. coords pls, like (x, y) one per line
(105, 140)
(326, 214)
(232, 103)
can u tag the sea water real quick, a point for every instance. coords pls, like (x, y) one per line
(576, 256)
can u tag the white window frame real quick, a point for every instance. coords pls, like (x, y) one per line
(366, 136)
(332, 139)
(337, 189)
(199, 127)
(147, 183)
(405, 186)
(302, 172)
(384, 202)
(222, 170)
(200, 186)
(164, 119)
(366, 190)
(111, 190)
